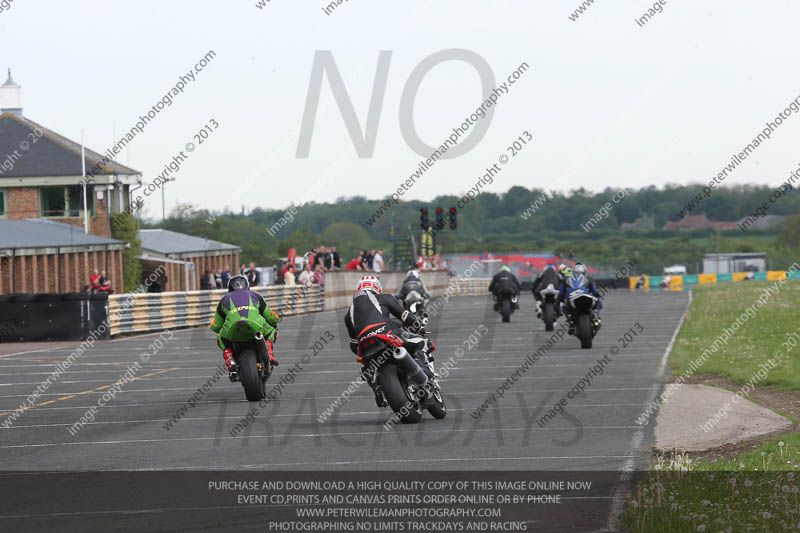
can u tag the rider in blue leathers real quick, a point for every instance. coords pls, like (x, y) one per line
(578, 282)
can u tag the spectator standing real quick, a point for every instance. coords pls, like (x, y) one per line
(206, 281)
(366, 260)
(355, 264)
(377, 262)
(288, 278)
(309, 256)
(306, 276)
(337, 261)
(105, 284)
(226, 275)
(95, 280)
(319, 257)
(327, 260)
(252, 275)
(218, 279)
(319, 275)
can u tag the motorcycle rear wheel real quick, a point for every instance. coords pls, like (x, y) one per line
(254, 387)
(505, 309)
(549, 315)
(585, 330)
(393, 383)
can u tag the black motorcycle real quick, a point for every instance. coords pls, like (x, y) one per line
(416, 301)
(549, 309)
(407, 388)
(585, 320)
(254, 366)
(505, 305)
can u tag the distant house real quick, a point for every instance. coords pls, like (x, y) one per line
(44, 256)
(41, 174)
(185, 258)
(691, 222)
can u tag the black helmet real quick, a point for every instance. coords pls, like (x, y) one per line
(237, 283)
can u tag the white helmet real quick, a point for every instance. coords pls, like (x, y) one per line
(579, 268)
(369, 283)
(412, 274)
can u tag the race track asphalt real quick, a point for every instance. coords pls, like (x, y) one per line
(597, 431)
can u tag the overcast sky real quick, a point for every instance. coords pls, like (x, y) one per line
(609, 103)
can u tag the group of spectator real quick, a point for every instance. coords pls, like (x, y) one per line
(431, 262)
(219, 280)
(316, 262)
(323, 256)
(99, 282)
(371, 261)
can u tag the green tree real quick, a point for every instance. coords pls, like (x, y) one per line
(348, 238)
(125, 228)
(301, 239)
(789, 235)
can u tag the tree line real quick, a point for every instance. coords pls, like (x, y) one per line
(521, 219)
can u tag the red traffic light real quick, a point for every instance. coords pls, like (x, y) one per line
(452, 210)
(424, 210)
(439, 210)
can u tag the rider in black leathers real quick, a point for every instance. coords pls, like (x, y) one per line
(373, 312)
(505, 282)
(546, 277)
(413, 282)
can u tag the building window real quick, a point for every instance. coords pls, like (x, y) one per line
(3, 204)
(65, 201)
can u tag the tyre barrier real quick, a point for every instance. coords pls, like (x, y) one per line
(136, 313)
(686, 281)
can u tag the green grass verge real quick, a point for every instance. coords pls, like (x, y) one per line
(756, 491)
(763, 335)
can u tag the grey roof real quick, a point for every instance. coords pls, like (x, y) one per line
(51, 154)
(10, 81)
(43, 233)
(165, 242)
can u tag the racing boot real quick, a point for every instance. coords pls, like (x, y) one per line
(230, 362)
(371, 379)
(538, 309)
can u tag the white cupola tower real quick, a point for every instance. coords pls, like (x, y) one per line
(11, 97)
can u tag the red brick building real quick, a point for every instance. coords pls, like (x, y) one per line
(41, 173)
(44, 256)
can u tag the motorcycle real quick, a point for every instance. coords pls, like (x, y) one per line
(406, 387)
(254, 366)
(413, 298)
(585, 320)
(549, 311)
(506, 303)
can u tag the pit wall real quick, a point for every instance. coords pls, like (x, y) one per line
(340, 286)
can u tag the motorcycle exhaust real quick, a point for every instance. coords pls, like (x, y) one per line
(409, 366)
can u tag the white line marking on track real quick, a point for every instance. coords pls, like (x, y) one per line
(626, 475)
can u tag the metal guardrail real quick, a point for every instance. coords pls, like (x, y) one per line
(136, 313)
(469, 286)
